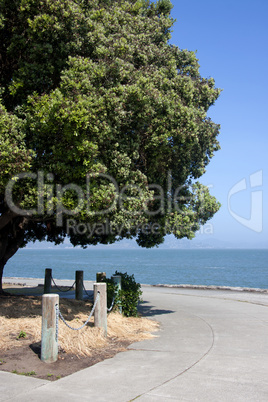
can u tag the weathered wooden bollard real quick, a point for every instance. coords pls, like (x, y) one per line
(100, 314)
(79, 281)
(49, 342)
(47, 284)
(100, 277)
(117, 280)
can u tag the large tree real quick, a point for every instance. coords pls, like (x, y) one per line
(103, 124)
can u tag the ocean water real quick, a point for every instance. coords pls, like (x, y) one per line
(235, 268)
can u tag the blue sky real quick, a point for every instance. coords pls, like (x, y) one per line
(230, 39)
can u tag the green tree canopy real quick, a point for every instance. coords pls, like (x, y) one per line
(104, 123)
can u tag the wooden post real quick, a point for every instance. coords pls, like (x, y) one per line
(100, 277)
(100, 314)
(48, 276)
(49, 342)
(117, 280)
(79, 280)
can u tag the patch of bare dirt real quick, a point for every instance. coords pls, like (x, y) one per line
(25, 360)
(20, 337)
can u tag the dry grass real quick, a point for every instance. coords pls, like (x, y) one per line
(25, 314)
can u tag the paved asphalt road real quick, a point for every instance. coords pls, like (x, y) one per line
(212, 346)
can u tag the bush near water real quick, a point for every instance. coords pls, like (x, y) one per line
(128, 297)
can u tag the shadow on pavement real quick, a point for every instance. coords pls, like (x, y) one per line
(149, 310)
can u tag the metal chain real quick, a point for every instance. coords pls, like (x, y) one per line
(57, 321)
(90, 315)
(90, 296)
(112, 305)
(62, 290)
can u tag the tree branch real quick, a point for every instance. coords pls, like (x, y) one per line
(6, 218)
(17, 241)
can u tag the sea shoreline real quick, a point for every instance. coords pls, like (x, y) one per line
(26, 282)
(207, 268)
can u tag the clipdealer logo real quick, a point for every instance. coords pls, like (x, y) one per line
(255, 221)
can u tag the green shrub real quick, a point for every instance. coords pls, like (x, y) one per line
(111, 289)
(128, 297)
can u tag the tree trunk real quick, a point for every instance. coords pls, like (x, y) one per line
(2, 292)
(12, 249)
(3, 249)
(11, 239)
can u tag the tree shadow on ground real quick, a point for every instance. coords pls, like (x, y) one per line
(149, 310)
(62, 291)
(22, 306)
(39, 290)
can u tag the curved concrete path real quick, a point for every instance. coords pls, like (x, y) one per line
(212, 346)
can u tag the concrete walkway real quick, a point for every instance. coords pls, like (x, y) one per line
(212, 346)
